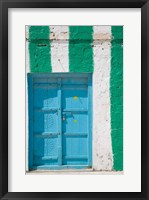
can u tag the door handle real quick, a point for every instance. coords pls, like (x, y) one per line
(64, 117)
(66, 113)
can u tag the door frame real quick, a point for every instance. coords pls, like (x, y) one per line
(30, 77)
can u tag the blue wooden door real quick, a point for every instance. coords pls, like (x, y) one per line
(59, 121)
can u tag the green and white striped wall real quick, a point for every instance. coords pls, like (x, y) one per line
(96, 49)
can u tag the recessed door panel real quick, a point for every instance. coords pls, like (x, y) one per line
(45, 122)
(75, 122)
(45, 97)
(74, 98)
(75, 149)
(45, 150)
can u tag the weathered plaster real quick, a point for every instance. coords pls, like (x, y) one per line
(80, 49)
(102, 36)
(59, 33)
(39, 49)
(27, 60)
(27, 69)
(59, 48)
(102, 148)
(89, 50)
(116, 89)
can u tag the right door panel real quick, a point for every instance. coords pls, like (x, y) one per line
(75, 121)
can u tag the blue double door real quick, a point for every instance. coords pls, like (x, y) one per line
(60, 121)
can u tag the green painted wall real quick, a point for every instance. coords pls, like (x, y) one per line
(80, 57)
(39, 49)
(116, 90)
(80, 49)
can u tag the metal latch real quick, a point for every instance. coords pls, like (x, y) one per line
(64, 117)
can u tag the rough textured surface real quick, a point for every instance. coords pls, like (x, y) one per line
(80, 49)
(38, 33)
(116, 88)
(59, 48)
(97, 49)
(39, 48)
(102, 148)
(72, 172)
(27, 60)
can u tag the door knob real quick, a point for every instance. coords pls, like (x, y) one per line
(64, 117)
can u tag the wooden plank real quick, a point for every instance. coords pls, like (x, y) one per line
(59, 123)
(90, 120)
(30, 120)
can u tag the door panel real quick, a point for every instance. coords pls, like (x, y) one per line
(59, 110)
(75, 150)
(45, 97)
(74, 80)
(74, 98)
(75, 121)
(45, 150)
(45, 122)
(45, 126)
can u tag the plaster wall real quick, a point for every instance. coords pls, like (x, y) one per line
(85, 49)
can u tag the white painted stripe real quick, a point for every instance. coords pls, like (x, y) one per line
(102, 145)
(59, 48)
(27, 60)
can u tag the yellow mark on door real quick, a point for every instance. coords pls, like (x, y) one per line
(75, 97)
(75, 121)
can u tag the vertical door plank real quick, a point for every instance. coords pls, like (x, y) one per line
(31, 121)
(59, 123)
(90, 120)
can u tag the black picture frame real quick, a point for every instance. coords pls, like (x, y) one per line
(4, 6)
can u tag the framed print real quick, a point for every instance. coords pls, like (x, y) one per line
(74, 99)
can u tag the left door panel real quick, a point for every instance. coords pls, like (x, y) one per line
(44, 127)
